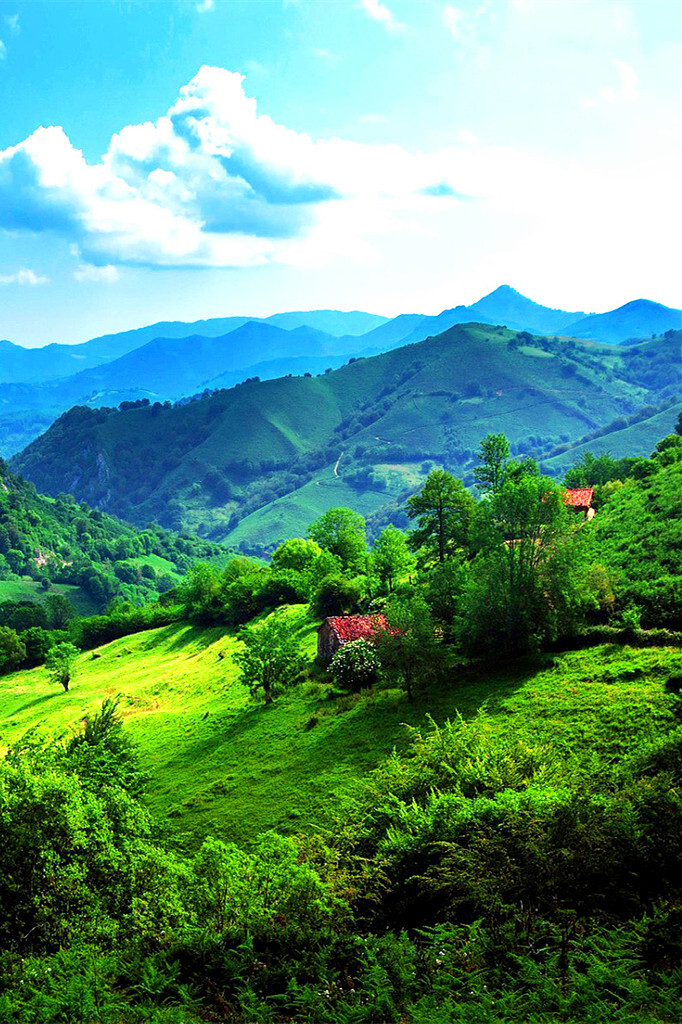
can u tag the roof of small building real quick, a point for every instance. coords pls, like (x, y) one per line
(356, 627)
(578, 497)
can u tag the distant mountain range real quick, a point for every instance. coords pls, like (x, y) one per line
(172, 360)
(256, 463)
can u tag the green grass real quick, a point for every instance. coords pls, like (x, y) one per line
(222, 763)
(29, 590)
(640, 438)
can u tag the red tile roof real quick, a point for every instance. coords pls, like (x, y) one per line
(357, 627)
(578, 497)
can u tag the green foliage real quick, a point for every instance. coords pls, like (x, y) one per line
(336, 595)
(270, 658)
(493, 456)
(355, 665)
(528, 582)
(298, 554)
(12, 649)
(411, 644)
(60, 663)
(341, 532)
(391, 558)
(637, 536)
(443, 510)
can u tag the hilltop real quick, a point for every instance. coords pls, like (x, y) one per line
(171, 360)
(256, 463)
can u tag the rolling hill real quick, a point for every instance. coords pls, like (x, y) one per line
(56, 546)
(255, 463)
(638, 319)
(171, 360)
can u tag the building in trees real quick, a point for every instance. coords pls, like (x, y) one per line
(337, 630)
(579, 499)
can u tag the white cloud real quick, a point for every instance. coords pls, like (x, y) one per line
(89, 272)
(373, 118)
(12, 20)
(204, 6)
(214, 183)
(454, 19)
(3, 50)
(377, 11)
(23, 276)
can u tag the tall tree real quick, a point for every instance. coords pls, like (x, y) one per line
(341, 531)
(529, 579)
(60, 663)
(443, 510)
(411, 644)
(391, 558)
(493, 455)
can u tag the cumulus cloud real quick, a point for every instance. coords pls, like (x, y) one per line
(3, 50)
(88, 272)
(377, 11)
(23, 276)
(203, 6)
(215, 183)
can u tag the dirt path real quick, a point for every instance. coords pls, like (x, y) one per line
(336, 467)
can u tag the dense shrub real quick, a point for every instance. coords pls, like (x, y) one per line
(355, 665)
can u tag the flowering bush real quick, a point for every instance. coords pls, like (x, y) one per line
(355, 665)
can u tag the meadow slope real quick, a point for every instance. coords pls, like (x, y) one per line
(221, 763)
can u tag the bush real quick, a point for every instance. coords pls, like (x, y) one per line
(355, 665)
(336, 595)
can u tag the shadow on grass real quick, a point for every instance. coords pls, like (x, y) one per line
(38, 700)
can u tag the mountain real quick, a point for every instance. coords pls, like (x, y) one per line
(330, 321)
(170, 360)
(638, 319)
(51, 362)
(258, 462)
(507, 306)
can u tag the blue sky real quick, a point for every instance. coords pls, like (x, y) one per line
(181, 160)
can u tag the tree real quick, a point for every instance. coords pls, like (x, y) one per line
(336, 595)
(411, 645)
(297, 553)
(270, 658)
(443, 510)
(60, 662)
(342, 532)
(391, 558)
(493, 455)
(529, 578)
(59, 611)
(12, 649)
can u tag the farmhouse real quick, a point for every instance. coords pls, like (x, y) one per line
(580, 500)
(338, 630)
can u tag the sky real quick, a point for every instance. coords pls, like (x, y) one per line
(197, 158)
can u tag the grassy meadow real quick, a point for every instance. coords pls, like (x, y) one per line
(221, 763)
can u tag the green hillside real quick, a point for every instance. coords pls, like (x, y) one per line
(211, 463)
(637, 438)
(57, 546)
(222, 764)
